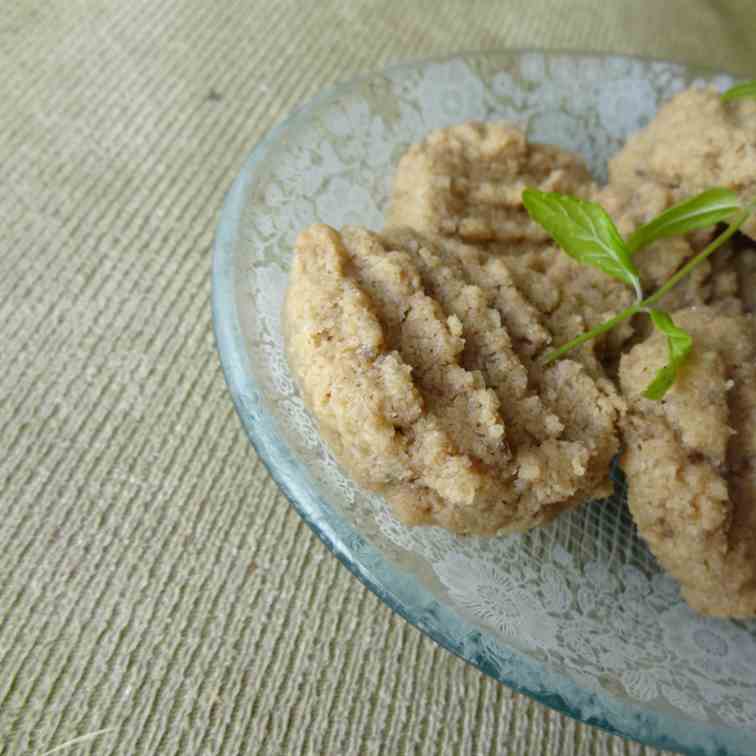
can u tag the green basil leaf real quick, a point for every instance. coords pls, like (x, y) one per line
(706, 209)
(584, 231)
(679, 344)
(746, 89)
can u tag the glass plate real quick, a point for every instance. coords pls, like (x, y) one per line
(577, 614)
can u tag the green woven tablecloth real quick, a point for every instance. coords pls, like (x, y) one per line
(152, 579)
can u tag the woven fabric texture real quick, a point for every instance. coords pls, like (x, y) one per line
(153, 582)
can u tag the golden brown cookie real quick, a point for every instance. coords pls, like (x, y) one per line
(689, 460)
(694, 143)
(466, 182)
(418, 359)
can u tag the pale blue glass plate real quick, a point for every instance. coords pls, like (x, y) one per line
(578, 614)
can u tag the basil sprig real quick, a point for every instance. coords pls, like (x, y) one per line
(679, 346)
(745, 89)
(706, 209)
(586, 232)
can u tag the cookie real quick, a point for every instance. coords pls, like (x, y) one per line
(466, 182)
(694, 143)
(420, 361)
(689, 460)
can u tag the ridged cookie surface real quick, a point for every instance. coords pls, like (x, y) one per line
(466, 182)
(419, 360)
